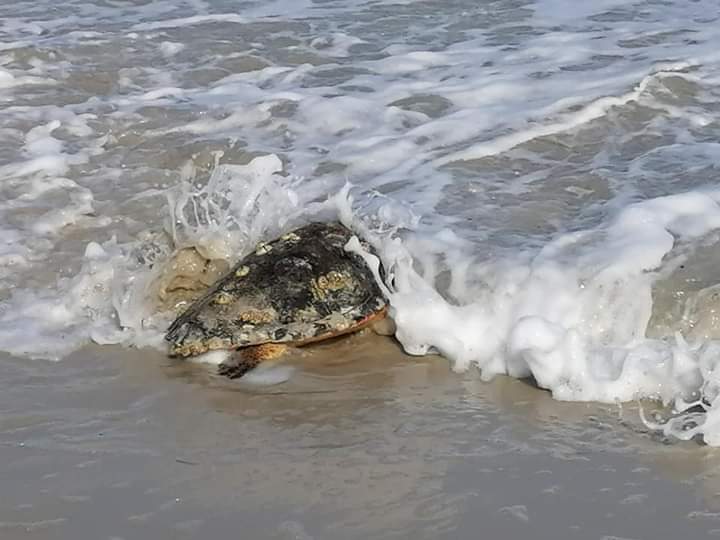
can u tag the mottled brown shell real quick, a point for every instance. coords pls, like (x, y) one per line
(300, 288)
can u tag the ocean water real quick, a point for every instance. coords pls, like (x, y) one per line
(539, 178)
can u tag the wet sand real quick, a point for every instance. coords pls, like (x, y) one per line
(363, 442)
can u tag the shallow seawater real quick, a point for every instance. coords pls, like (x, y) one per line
(108, 444)
(538, 178)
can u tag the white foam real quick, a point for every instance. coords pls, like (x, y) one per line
(238, 207)
(410, 62)
(43, 324)
(269, 375)
(577, 325)
(169, 48)
(593, 110)
(9, 80)
(336, 44)
(190, 21)
(160, 93)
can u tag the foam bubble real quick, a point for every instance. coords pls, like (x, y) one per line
(169, 48)
(190, 21)
(577, 326)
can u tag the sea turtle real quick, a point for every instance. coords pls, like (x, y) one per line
(300, 288)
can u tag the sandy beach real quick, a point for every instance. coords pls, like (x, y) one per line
(362, 442)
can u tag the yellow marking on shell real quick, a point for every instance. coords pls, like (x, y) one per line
(256, 316)
(200, 346)
(338, 323)
(193, 348)
(332, 281)
(215, 343)
(222, 298)
(242, 271)
(307, 314)
(262, 249)
(290, 237)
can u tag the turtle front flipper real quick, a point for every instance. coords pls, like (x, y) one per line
(248, 358)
